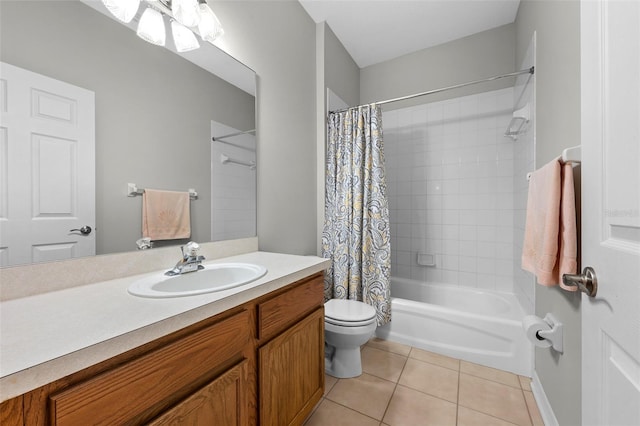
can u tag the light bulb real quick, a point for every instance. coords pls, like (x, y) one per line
(186, 12)
(124, 10)
(151, 27)
(183, 38)
(209, 27)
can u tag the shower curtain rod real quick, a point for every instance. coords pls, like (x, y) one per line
(431, 92)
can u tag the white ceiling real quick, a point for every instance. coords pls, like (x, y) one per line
(374, 31)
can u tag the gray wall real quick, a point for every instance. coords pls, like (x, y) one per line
(470, 58)
(557, 24)
(277, 40)
(336, 70)
(139, 100)
(341, 73)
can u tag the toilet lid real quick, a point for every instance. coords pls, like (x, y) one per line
(348, 312)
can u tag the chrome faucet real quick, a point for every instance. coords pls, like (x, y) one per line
(190, 261)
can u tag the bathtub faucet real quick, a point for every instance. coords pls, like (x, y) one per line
(190, 262)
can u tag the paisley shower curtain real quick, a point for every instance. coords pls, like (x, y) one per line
(356, 234)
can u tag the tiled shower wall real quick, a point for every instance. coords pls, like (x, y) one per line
(524, 162)
(450, 176)
(233, 186)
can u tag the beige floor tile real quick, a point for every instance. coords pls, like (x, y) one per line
(430, 378)
(434, 358)
(331, 414)
(366, 394)
(410, 407)
(389, 346)
(469, 417)
(383, 364)
(495, 399)
(329, 383)
(525, 383)
(534, 412)
(488, 373)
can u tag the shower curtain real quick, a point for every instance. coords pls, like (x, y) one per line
(356, 233)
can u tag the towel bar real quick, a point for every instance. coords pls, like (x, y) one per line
(134, 191)
(224, 159)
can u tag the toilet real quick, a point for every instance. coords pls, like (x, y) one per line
(348, 324)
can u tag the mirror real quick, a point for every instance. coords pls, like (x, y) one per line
(155, 111)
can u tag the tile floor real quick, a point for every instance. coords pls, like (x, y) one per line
(401, 385)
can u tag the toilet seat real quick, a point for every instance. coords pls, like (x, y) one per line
(348, 313)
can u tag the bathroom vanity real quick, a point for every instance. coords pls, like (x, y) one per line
(258, 358)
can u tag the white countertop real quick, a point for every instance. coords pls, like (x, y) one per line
(51, 335)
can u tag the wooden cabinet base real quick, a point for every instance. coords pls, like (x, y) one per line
(260, 360)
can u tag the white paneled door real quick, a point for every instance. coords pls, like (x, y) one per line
(611, 211)
(47, 168)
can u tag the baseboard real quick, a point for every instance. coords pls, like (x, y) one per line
(544, 406)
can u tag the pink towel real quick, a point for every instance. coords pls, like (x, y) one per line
(165, 215)
(550, 245)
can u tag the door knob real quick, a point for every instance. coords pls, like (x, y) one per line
(587, 282)
(85, 230)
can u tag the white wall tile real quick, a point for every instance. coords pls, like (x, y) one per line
(467, 279)
(404, 257)
(451, 263)
(450, 247)
(468, 264)
(504, 251)
(450, 277)
(434, 275)
(486, 281)
(486, 265)
(468, 233)
(453, 191)
(450, 217)
(450, 232)
(468, 248)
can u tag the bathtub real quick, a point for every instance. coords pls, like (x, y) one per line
(474, 325)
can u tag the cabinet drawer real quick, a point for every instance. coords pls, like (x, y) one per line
(221, 403)
(140, 389)
(287, 308)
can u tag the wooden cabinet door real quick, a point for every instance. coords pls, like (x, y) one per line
(221, 402)
(141, 389)
(11, 413)
(291, 372)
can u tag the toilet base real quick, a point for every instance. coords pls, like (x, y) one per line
(343, 363)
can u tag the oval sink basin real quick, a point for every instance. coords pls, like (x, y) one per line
(214, 277)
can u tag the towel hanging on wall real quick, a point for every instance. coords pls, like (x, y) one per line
(165, 215)
(550, 240)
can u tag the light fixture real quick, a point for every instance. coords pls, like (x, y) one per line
(209, 26)
(183, 38)
(186, 12)
(151, 27)
(188, 15)
(124, 10)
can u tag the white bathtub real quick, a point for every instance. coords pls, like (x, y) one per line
(479, 326)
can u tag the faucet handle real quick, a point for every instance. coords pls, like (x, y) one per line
(190, 249)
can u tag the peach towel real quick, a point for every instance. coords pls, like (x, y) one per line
(165, 215)
(550, 247)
